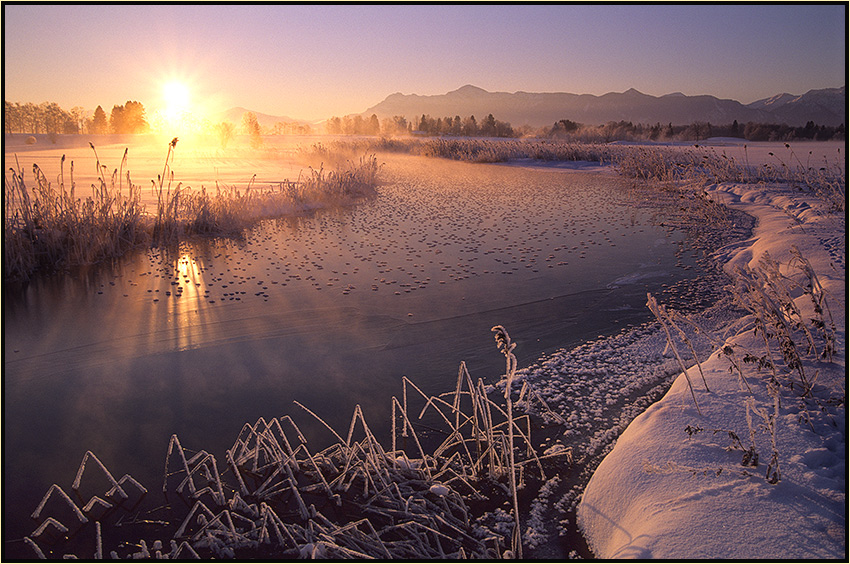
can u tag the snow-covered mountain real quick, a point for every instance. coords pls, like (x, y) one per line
(824, 107)
(773, 102)
(827, 106)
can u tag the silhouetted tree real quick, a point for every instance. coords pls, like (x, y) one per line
(116, 119)
(374, 127)
(396, 125)
(225, 132)
(135, 118)
(470, 126)
(488, 126)
(78, 115)
(563, 128)
(129, 118)
(334, 126)
(655, 131)
(99, 123)
(251, 128)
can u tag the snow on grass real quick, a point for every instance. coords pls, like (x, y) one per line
(273, 496)
(679, 484)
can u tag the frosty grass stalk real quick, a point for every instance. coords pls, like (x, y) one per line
(48, 229)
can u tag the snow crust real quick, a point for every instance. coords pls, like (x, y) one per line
(665, 493)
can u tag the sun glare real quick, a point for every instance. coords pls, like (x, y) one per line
(176, 99)
(178, 113)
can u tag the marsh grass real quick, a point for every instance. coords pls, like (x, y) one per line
(792, 339)
(273, 496)
(49, 228)
(52, 229)
(657, 164)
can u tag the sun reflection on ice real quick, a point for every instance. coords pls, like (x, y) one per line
(188, 304)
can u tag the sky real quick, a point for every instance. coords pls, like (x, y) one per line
(316, 61)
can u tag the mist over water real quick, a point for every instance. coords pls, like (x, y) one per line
(328, 309)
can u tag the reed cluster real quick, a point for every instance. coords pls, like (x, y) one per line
(272, 495)
(47, 228)
(478, 150)
(52, 228)
(790, 339)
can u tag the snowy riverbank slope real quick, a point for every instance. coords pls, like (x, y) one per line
(674, 485)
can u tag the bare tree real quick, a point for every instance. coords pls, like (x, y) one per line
(251, 127)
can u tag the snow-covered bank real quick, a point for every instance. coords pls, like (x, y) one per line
(674, 485)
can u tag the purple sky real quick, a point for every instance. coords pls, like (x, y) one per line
(315, 61)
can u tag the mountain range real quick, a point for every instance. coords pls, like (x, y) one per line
(824, 107)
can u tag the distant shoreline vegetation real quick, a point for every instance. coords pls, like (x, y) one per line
(568, 130)
(49, 118)
(424, 126)
(696, 131)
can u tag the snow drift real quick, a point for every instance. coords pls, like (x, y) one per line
(679, 484)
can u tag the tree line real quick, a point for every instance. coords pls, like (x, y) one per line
(50, 118)
(424, 125)
(696, 131)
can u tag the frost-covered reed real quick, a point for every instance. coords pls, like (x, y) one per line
(230, 209)
(272, 495)
(791, 339)
(49, 228)
(480, 150)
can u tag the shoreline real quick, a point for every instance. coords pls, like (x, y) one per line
(642, 500)
(601, 385)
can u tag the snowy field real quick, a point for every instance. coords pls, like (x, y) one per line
(674, 487)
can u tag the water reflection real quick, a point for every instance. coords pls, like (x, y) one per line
(189, 309)
(329, 309)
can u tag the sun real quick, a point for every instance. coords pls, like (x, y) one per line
(183, 107)
(178, 113)
(176, 99)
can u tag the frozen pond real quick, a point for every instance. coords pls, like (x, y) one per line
(329, 310)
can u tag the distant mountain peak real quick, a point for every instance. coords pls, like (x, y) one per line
(773, 102)
(469, 90)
